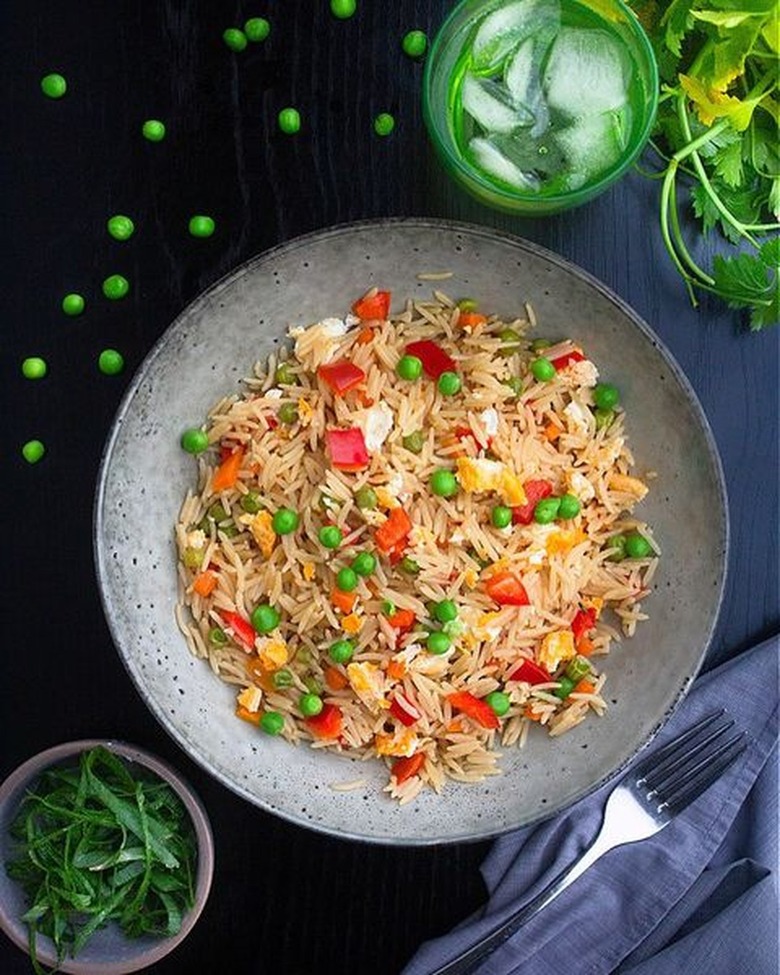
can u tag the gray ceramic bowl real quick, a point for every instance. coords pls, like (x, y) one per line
(108, 952)
(240, 320)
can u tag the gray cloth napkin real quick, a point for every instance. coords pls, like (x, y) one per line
(700, 895)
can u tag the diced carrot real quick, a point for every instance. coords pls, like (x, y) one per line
(365, 399)
(352, 624)
(252, 717)
(226, 474)
(585, 646)
(455, 727)
(393, 531)
(405, 768)
(204, 583)
(552, 431)
(585, 686)
(468, 319)
(345, 601)
(402, 619)
(335, 680)
(365, 336)
(326, 724)
(396, 669)
(530, 714)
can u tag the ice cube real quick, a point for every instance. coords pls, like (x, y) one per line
(587, 73)
(523, 80)
(502, 31)
(489, 157)
(539, 158)
(591, 145)
(492, 107)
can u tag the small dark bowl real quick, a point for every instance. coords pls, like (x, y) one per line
(108, 952)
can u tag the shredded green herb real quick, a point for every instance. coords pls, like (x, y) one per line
(97, 844)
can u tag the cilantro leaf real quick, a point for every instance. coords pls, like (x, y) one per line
(769, 252)
(745, 281)
(677, 21)
(704, 208)
(728, 163)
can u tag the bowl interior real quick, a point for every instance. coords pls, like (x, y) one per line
(215, 342)
(442, 64)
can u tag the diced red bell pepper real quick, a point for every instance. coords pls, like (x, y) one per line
(272, 422)
(394, 531)
(402, 620)
(374, 308)
(531, 673)
(475, 708)
(434, 359)
(326, 724)
(243, 631)
(403, 709)
(347, 449)
(405, 768)
(584, 621)
(534, 492)
(341, 375)
(567, 359)
(396, 553)
(506, 589)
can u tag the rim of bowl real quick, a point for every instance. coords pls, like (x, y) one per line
(31, 769)
(559, 200)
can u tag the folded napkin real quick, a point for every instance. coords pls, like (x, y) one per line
(701, 894)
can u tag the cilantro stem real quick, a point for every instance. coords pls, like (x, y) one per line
(666, 203)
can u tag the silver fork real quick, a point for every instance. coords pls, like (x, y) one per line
(645, 800)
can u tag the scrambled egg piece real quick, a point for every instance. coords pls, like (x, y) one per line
(368, 682)
(556, 647)
(562, 542)
(627, 485)
(196, 538)
(352, 624)
(489, 475)
(305, 412)
(578, 484)
(260, 525)
(319, 342)
(376, 424)
(401, 743)
(309, 571)
(273, 654)
(250, 698)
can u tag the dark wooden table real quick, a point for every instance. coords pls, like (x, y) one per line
(283, 899)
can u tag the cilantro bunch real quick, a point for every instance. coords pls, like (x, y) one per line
(718, 121)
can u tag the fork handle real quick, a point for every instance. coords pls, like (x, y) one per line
(465, 962)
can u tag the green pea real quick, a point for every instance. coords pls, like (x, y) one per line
(285, 521)
(511, 340)
(289, 120)
(501, 516)
(542, 369)
(310, 704)
(201, 225)
(250, 502)
(538, 344)
(272, 723)
(115, 287)
(33, 451)
(120, 227)
(153, 130)
(604, 418)
(288, 413)
(637, 546)
(577, 668)
(449, 384)
(194, 441)
(217, 636)
(409, 566)
(414, 442)
(217, 512)
(565, 688)
(409, 367)
(111, 362)
(364, 564)
(330, 536)
(499, 702)
(282, 678)
(605, 396)
(546, 510)
(384, 124)
(73, 304)
(445, 611)
(366, 499)
(284, 375)
(438, 643)
(341, 651)
(257, 29)
(618, 543)
(235, 39)
(443, 483)
(53, 85)
(569, 507)
(265, 618)
(34, 367)
(343, 9)
(347, 579)
(388, 607)
(515, 383)
(414, 45)
(467, 304)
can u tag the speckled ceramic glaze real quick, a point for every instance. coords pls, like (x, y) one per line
(240, 320)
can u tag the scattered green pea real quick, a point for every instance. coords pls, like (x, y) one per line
(499, 702)
(257, 29)
(250, 502)
(343, 9)
(120, 227)
(265, 618)
(330, 536)
(637, 546)
(409, 566)
(538, 344)
(366, 499)
(577, 668)
(605, 396)
(282, 678)
(445, 611)
(604, 418)
(388, 607)
(34, 367)
(618, 543)
(73, 304)
(111, 362)
(217, 512)
(364, 564)
(341, 651)
(310, 705)
(288, 413)
(443, 483)
(542, 369)
(569, 507)
(438, 642)
(217, 636)
(53, 85)
(347, 579)
(153, 130)
(515, 383)
(546, 510)
(272, 723)
(194, 441)
(409, 367)
(289, 120)
(285, 521)
(414, 44)
(384, 124)
(449, 383)
(501, 516)
(467, 304)
(284, 375)
(414, 442)
(510, 339)
(33, 451)
(235, 39)
(115, 287)
(565, 688)
(201, 225)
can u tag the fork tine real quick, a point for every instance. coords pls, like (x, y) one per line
(671, 767)
(708, 772)
(673, 747)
